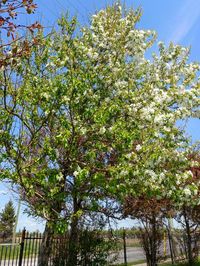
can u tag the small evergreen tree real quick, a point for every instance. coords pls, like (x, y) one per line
(7, 220)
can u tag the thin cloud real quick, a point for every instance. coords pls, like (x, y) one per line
(185, 20)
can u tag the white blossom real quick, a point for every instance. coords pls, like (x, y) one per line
(138, 147)
(187, 192)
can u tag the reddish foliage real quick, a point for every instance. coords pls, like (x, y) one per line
(9, 11)
(195, 169)
(144, 207)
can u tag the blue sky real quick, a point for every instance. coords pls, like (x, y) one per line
(174, 20)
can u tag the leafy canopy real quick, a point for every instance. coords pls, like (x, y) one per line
(86, 116)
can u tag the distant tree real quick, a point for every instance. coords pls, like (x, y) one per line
(7, 220)
(151, 213)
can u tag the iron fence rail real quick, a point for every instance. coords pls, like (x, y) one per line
(9, 254)
(23, 252)
(26, 250)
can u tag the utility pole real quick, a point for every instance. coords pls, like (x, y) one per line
(16, 221)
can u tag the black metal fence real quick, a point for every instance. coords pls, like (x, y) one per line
(25, 250)
(22, 251)
(9, 252)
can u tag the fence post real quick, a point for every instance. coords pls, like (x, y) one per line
(164, 245)
(22, 247)
(124, 242)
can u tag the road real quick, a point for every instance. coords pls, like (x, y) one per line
(133, 254)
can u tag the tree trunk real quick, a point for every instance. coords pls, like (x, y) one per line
(154, 243)
(147, 246)
(170, 244)
(46, 245)
(73, 239)
(189, 241)
(149, 238)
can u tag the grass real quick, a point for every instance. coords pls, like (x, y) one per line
(160, 264)
(9, 252)
(138, 262)
(179, 264)
(12, 252)
(131, 263)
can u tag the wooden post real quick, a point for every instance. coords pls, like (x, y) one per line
(164, 245)
(124, 242)
(22, 247)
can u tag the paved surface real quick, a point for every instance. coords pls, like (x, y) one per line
(144, 264)
(133, 254)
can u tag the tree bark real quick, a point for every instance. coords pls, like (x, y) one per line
(170, 244)
(154, 242)
(189, 241)
(150, 241)
(46, 246)
(73, 238)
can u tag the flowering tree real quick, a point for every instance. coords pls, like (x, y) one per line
(187, 214)
(85, 116)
